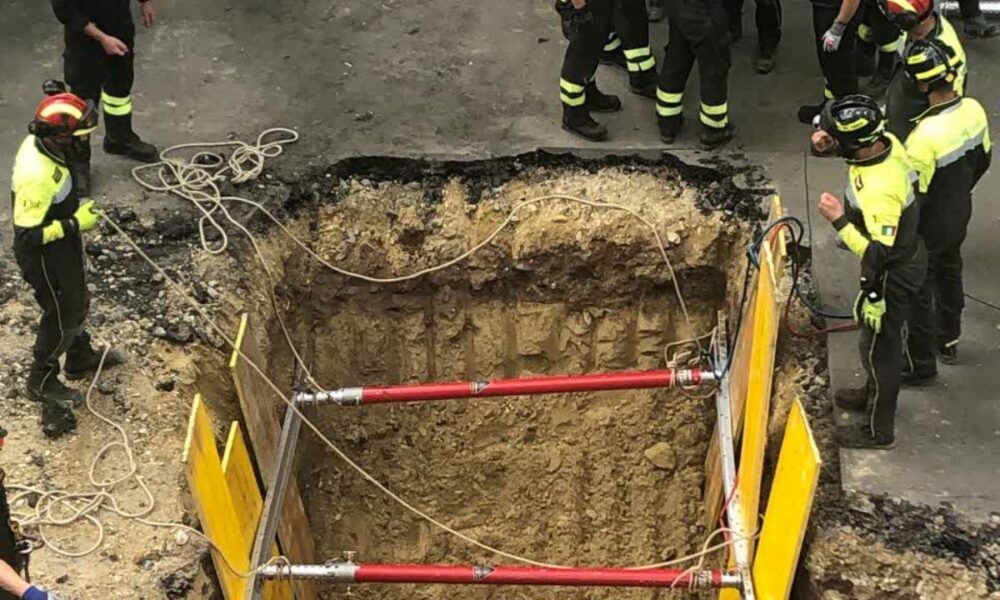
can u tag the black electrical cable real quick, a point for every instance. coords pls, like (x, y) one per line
(981, 301)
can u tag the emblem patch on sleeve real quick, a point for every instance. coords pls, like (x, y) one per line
(888, 231)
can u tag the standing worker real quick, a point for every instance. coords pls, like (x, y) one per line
(950, 148)
(835, 32)
(98, 65)
(904, 101)
(699, 32)
(48, 220)
(586, 24)
(767, 17)
(879, 224)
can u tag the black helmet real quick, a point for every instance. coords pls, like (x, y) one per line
(855, 121)
(930, 61)
(906, 14)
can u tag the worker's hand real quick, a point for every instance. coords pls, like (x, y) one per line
(85, 217)
(833, 35)
(113, 46)
(872, 311)
(147, 12)
(830, 207)
(822, 143)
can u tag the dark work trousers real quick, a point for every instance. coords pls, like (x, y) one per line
(882, 353)
(699, 31)
(969, 8)
(95, 75)
(937, 317)
(587, 34)
(767, 16)
(57, 277)
(631, 22)
(839, 69)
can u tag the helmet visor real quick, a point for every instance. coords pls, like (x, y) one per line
(88, 122)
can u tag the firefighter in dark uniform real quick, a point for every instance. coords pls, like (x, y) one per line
(699, 32)
(628, 47)
(904, 101)
(879, 224)
(586, 24)
(767, 17)
(835, 31)
(951, 149)
(98, 66)
(48, 221)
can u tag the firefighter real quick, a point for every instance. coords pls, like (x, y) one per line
(950, 148)
(628, 47)
(835, 31)
(917, 18)
(879, 224)
(586, 24)
(98, 65)
(767, 17)
(699, 32)
(49, 218)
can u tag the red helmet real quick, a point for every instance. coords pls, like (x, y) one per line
(906, 14)
(64, 114)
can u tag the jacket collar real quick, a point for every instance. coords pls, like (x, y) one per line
(876, 159)
(937, 109)
(41, 148)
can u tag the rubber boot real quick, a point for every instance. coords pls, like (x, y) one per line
(860, 436)
(977, 27)
(44, 385)
(79, 166)
(853, 399)
(809, 112)
(713, 137)
(670, 127)
(910, 378)
(57, 418)
(948, 354)
(598, 101)
(643, 83)
(764, 63)
(121, 140)
(577, 120)
(84, 364)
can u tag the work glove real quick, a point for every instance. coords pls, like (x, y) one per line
(85, 217)
(833, 35)
(869, 310)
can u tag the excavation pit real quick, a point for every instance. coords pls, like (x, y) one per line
(591, 479)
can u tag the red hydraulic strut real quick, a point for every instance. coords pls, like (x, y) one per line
(500, 575)
(549, 384)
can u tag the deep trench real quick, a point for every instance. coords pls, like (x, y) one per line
(561, 478)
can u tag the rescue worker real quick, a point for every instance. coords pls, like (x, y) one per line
(699, 32)
(951, 149)
(628, 47)
(879, 224)
(904, 100)
(98, 65)
(835, 31)
(48, 221)
(767, 17)
(586, 24)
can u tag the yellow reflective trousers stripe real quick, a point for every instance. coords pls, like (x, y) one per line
(115, 105)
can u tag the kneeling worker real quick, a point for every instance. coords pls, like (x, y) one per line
(879, 224)
(48, 221)
(950, 148)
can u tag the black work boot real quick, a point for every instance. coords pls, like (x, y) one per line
(949, 354)
(853, 399)
(80, 365)
(713, 137)
(809, 112)
(614, 58)
(977, 27)
(860, 436)
(121, 140)
(78, 164)
(879, 83)
(643, 83)
(669, 128)
(598, 101)
(764, 63)
(577, 120)
(57, 418)
(917, 377)
(44, 385)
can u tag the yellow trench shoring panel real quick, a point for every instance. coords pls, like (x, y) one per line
(788, 509)
(228, 501)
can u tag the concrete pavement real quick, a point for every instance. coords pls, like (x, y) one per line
(479, 79)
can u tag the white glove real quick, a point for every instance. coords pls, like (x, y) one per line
(833, 35)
